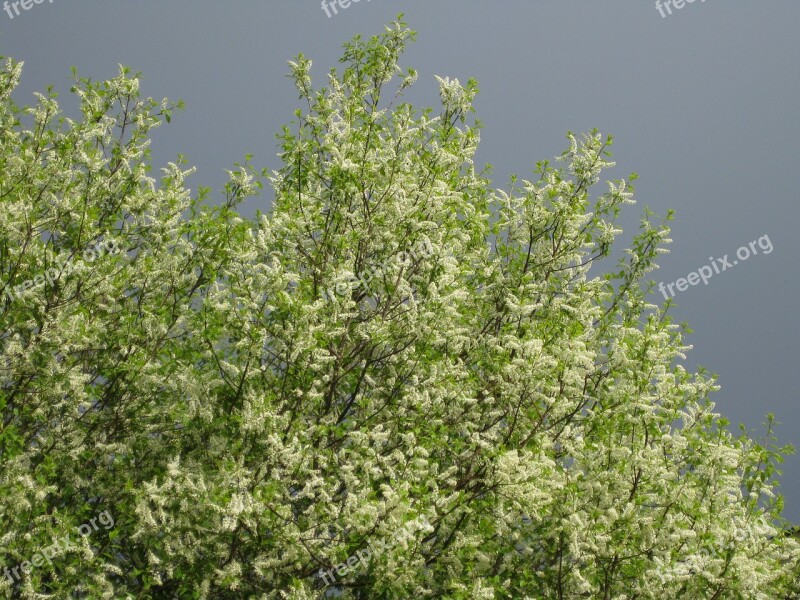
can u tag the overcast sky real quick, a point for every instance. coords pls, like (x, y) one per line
(703, 104)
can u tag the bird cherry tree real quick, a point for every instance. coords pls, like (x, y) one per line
(396, 382)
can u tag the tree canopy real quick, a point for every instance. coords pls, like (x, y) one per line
(397, 382)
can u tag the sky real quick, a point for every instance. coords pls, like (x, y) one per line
(702, 101)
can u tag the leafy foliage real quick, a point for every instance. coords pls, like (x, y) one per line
(395, 346)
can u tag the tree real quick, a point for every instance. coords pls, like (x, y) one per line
(396, 383)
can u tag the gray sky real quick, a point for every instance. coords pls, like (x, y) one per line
(702, 103)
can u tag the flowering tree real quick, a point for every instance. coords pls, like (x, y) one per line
(397, 383)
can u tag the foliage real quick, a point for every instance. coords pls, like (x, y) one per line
(394, 346)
